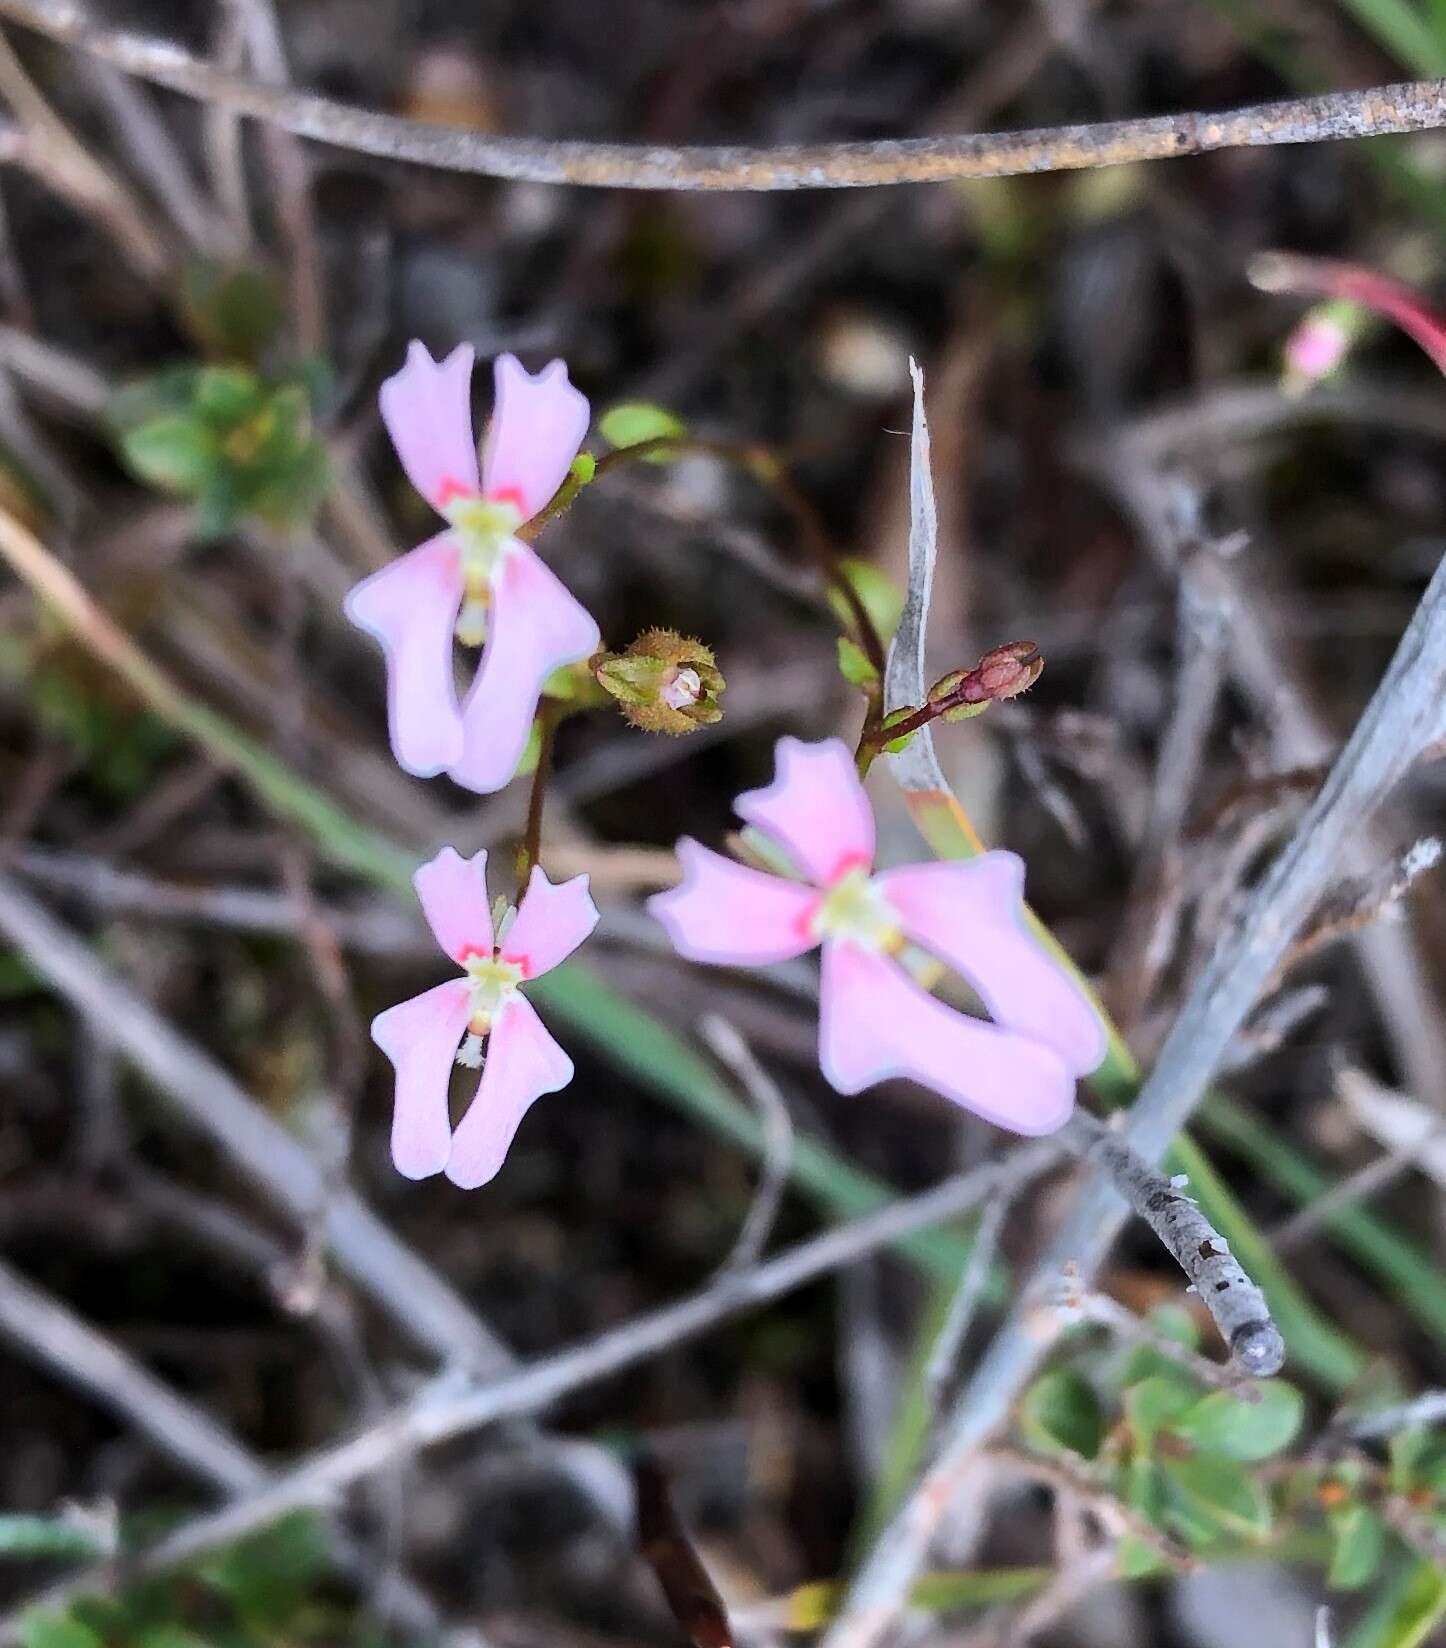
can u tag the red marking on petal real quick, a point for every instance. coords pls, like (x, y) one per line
(450, 489)
(509, 495)
(846, 865)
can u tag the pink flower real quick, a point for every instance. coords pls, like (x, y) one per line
(875, 1020)
(1316, 347)
(421, 1036)
(476, 581)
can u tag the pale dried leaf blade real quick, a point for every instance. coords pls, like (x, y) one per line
(1399, 1123)
(916, 767)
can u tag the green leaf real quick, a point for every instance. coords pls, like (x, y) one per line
(1358, 1540)
(56, 1631)
(1208, 1490)
(290, 495)
(633, 422)
(1154, 1404)
(854, 665)
(175, 453)
(1144, 1491)
(1135, 1559)
(1176, 1323)
(1406, 1450)
(1224, 1424)
(233, 313)
(224, 395)
(1060, 1412)
(878, 594)
(583, 468)
(1407, 1611)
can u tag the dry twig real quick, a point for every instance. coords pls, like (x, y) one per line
(1411, 106)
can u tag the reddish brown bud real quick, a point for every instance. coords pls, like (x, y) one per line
(1005, 672)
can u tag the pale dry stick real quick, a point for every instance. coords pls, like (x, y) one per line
(1146, 933)
(944, 1353)
(154, 152)
(1405, 716)
(1410, 106)
(222, 135)
(1236, 1304)
(62, 160)
(1360, 901)
(728, 1046)
(1102, 1311)
(1259, 663)
(1113, 1513)
(420, 1302)
(66, 378)
(1323, 1627)
(452, 1406)
(47, 1332)
(1277, 1020)
(1429, 1408)
(260, 28)
(1355, 1187)
(1060, 1597)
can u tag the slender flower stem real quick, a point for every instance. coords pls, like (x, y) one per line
(770, 472)
(530, 853)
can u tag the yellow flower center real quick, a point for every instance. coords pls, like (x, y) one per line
(483, 528)
(494, 982)
(856, 911)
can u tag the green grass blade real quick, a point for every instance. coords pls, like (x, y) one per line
(1410, 1606)
(1405, 32)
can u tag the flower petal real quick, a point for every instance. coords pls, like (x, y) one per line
(538, 424)
(427, 408)
(551, 922)
(453, 891)
(971, 915)
(533, 627)
(875, 1023)
(420, 1037)
(732, 914)
(522, 1063)
(411, 607)
(816, 808)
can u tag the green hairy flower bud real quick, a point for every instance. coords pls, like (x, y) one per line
(663, 682)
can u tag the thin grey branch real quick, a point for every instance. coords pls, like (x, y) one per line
(47, 1332)
(1404, 717)
(1427, 1409)
(1412, 106)
(1235, 1303)
(417, 1299)
(451, 1406)
(729, 1047)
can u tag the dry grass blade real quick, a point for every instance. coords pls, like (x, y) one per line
(665, 1546)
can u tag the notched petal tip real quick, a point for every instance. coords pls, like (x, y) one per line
(453, 894)
(553, 919)
(427, 408)
(538, 424)
(815, 807)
